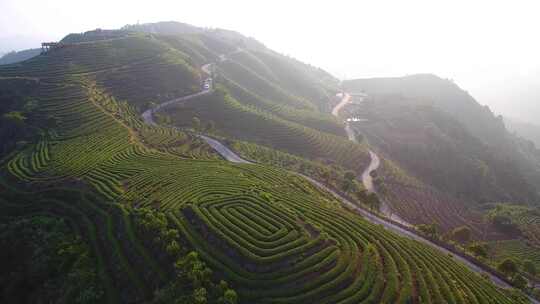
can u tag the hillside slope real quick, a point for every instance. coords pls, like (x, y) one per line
(418, 118)
(163, 219)
(14, 57)
(528, 131)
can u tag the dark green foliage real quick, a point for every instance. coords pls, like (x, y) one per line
(192, 279)
(509, 267)
(516, 220)
(519, 281)
(536, 293)
(502, 222)
(430, 230)
(373, 201)
(350, 175)
(128, 256)
(479, 250)
(461, 234)
(43, 261)
(529, 267)
(16, 118)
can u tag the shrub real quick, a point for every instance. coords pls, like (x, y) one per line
(508, 267)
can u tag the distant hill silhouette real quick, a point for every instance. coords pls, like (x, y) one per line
(14, 57)
(439, 115)
(526, 130)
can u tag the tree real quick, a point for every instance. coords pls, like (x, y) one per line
(519, 281)
(430, 230)
(16, 117)
(536, 293)
(373, 202)
(325, 174)
(479, 249)
(462, 234)
(361, 194)
(504, 223)
(230, 297)
(347, 185)
(508, 267)
(196, 123)
(210, 126)
(173, 248)
(529, 267)
(349, 175)
(200, 295)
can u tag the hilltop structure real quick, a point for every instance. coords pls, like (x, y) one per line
(47, 46)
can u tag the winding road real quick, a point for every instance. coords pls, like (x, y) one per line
(225, 152)
(231, 156)
(345, 99)
(367, 179)
(148, 115)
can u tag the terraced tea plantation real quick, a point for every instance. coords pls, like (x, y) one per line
(272, 235)
(133, 252)
(250, 124)
(526, 219)
(517, 250)
(302, 252)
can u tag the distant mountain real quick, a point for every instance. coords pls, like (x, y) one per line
(429, 89)
(445, 137)
(164, 28)
(14, 57)
(524, 129)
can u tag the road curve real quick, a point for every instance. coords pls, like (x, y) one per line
(345, 99)
(375, 162)
(225, 152)
(206, 69)
(367, 179)
(231, 156)
(148, 115)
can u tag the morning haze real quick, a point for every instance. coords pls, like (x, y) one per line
(488, 47)
(294, 152)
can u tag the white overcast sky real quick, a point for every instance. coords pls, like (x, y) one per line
(490, 48)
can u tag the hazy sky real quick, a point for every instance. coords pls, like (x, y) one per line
(490, 48)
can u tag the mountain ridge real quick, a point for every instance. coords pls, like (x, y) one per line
(161, 217)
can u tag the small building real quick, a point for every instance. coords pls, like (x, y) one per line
(47, 46)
